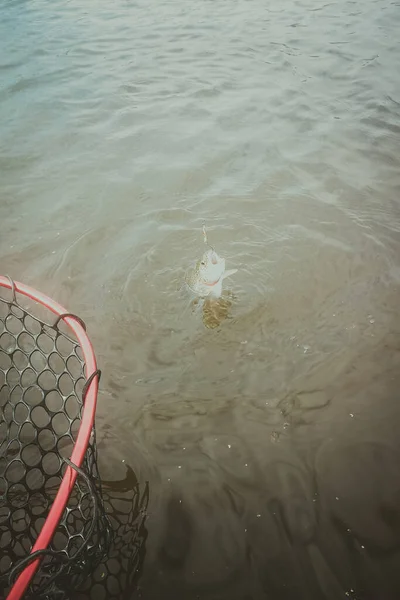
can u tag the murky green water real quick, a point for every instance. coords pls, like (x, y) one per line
(271, 442)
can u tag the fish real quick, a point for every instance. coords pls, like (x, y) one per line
(205, 280)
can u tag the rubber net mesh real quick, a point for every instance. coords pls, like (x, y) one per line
(116, 577)
(41, 383)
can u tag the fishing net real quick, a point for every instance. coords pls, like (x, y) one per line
(116, 577)
(46, 405)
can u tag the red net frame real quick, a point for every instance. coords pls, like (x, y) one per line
(82, 439)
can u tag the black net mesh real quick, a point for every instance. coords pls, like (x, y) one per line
(41, 400)
(116, 577)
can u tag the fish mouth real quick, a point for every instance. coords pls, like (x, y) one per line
(214, 258)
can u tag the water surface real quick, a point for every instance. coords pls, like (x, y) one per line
(270, 443)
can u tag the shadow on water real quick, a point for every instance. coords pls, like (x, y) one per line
(211, 544)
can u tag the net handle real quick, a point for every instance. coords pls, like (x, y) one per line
(82, 440)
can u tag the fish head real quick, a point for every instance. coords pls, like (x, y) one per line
(211, 267)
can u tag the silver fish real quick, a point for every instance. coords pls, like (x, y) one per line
(205, 280)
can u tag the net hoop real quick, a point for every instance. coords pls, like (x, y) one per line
(83, 436)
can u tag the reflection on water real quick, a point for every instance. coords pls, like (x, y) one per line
(266, 423)
(215, 311)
